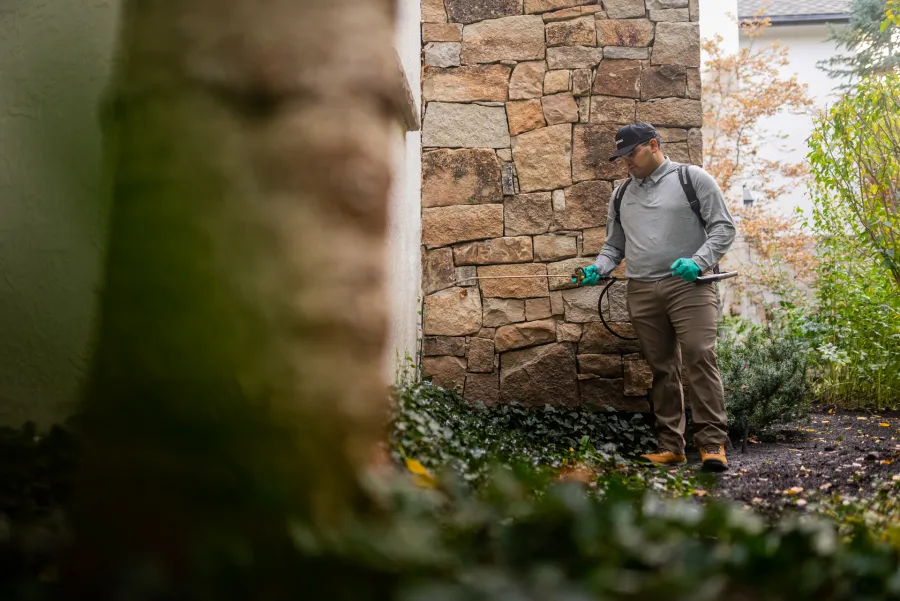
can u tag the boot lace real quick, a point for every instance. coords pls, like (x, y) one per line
(711, 448)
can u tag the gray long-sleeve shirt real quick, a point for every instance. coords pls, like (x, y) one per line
(658, 226)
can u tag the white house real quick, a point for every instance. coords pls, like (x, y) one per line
(720, 18)
(802, 26)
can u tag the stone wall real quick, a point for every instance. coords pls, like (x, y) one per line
(521, 101)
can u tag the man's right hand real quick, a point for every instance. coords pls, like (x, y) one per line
(591, 276)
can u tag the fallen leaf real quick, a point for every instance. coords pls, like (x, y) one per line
(884, 425)
(578, 473)
(699, 492)
(421, 476)
(795, 490)
(801, 502)
(825, 486)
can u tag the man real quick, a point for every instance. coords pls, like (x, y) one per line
(667, 244)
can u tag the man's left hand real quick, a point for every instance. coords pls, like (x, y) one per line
(686, 269)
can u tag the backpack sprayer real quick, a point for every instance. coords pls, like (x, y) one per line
(579, 275)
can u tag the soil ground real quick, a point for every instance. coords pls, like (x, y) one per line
(836, 453)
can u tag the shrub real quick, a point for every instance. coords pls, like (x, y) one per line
(525, 536)
(855, 162)
(36, 474)
(764, 375)
(631, 545)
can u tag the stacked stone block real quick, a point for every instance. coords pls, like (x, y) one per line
(521, 101)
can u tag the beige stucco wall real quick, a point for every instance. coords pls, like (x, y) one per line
(54, 57)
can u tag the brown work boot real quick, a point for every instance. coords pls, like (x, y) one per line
(713, 458)
(664, 457)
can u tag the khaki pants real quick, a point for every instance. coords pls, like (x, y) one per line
(673, 319)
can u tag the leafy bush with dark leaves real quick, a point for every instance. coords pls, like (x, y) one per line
(525, 536)
(438, 428)
(35, 483)
(764, 375)
(630, 545)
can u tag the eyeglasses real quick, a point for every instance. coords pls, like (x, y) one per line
(633, 153)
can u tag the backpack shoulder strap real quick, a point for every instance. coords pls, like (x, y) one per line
(617, 199)
(689, 191)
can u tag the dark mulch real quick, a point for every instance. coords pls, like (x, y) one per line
(843, 453)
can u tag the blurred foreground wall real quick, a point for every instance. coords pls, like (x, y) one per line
(54, 63)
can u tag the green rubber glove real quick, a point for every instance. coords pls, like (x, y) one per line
(591, 276)
(686, 269)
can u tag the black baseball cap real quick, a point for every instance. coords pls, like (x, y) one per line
(632, 136)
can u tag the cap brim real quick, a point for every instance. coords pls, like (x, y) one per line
(623, 151)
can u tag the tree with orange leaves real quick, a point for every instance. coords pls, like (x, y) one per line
(740, 91)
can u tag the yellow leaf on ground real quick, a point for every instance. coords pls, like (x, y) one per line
(416, 467)
(884, 425)
(421, 476)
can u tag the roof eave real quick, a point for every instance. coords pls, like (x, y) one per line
(777, 20)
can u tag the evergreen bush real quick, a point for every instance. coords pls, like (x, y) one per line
(765, 381)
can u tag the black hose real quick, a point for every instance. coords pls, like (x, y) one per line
(605, 292)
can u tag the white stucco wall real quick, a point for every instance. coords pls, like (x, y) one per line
(404, 266)
(719, 17)
(807, 45)
(54, 58)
